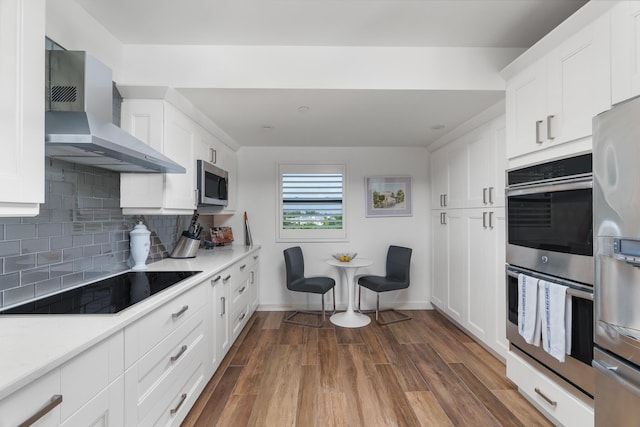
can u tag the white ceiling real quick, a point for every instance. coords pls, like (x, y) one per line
(270, 117)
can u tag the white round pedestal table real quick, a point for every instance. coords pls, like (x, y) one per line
(349, 318)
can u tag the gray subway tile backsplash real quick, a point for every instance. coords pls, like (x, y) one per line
(79, 236)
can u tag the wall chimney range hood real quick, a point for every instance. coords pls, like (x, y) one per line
(78, 119)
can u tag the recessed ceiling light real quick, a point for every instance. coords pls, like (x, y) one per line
(303, 108)
(437, 127)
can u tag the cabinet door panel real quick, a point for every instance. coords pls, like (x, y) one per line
(22, 25)
(579, 81)
(439, 260)
(458, 170)
(481, 166)
(526, 104)
(498, 291)
(625, 51)
(439, 177)
(457, 298)
(180, 188)
(480, 273)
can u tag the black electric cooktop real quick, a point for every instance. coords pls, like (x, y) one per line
(109, 295)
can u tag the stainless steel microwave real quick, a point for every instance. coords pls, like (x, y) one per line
(213, 185)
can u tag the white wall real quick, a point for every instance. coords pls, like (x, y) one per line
(69, 25)
(370, 237)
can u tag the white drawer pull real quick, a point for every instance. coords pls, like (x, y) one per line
(226, 278)
(56, 399)
(182, 399)
(242, 289)
(180, 312)
(549, 401)
(180, 353)
(243, 266)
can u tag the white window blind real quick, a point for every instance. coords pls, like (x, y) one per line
(311, 202)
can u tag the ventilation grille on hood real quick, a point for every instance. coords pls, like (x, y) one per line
(78, 125)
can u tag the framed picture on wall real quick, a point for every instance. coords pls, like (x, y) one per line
(388, 196)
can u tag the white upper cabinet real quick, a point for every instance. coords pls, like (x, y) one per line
(470, 170)
(22, 82)
(625, 51)
(170, 131)
(553, 101)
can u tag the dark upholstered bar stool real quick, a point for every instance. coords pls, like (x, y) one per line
(294, 264)
(397, 277)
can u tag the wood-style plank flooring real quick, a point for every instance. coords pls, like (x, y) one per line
(421, 372)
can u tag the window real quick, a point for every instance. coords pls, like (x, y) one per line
(311, 202)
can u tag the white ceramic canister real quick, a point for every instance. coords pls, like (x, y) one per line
(139, 242)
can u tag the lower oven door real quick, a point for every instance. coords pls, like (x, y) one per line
(576, 369)
(617, 391)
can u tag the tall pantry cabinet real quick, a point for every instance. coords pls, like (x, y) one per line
(468, 232)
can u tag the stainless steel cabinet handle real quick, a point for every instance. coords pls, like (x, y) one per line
(182, 399)
(441, 202)
(56, 399)
(212, 155)
(549, 401)
(550, 127)
(484, 220)
(484, 195)
(242, 289)
(217, 279)
(180, 312)
(223, 301)
(538, 132)
(242, 316)
(444, 197)
(256, 256)
(226, 278)
(253, 278)
(180, 353)
(491, 220)
(491, 195)
(243, 266)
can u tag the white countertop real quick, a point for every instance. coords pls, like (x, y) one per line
(32, 345)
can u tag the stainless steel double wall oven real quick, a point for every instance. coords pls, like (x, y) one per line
(550, 237)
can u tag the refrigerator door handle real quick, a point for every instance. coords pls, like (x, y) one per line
(612, 372)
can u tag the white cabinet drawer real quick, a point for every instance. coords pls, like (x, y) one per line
(154, 386)
(550, 398)
(147, 332)
(239, 318)
(143, 376)
(31, 400)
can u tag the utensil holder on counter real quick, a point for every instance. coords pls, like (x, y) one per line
(186, 247)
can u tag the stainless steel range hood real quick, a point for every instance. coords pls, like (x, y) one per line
(78, 120)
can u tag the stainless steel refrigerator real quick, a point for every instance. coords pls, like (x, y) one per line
(616, 221)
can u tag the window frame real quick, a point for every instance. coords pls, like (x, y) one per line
(310, 235)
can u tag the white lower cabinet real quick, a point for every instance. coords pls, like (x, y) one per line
(38, 399)
(87, 390)
(163, 384)
(151, 372)
(548, 396)
(468, 281)
(220, 341)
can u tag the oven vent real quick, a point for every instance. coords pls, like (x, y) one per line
(64, 94)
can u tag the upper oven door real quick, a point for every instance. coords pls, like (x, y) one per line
(549, 229)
